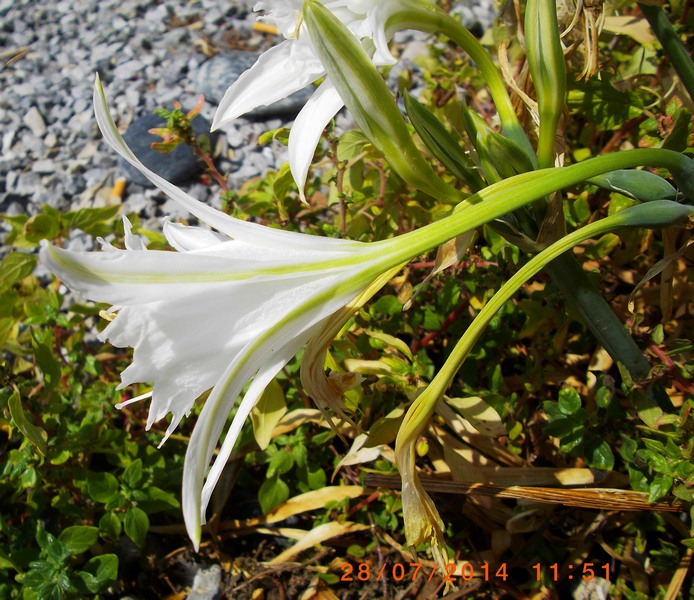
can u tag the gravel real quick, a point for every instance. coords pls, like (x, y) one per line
(148, 54)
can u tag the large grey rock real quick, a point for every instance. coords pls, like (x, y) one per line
(216, 74)
(177, 166)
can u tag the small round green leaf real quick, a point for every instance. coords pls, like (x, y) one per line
(136, 524)
(102, 487)
(569, 401)
(79, 538)
(272, 493)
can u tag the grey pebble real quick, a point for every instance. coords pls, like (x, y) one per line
(206, 584)
(147, 56)
(34, 121)
(177, 166)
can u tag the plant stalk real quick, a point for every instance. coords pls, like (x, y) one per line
(672, 45)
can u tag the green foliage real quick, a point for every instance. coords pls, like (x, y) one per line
(582, 433)
(73, 480)
(51, 576)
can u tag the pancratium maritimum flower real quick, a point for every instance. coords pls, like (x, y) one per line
(293, 64)
(226, 308)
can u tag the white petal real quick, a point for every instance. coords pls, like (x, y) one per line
(322, 106)
(279, 72)
(382, 55)
(126, 277)
(183, 237)
(251, 233)
(262, 359)
(132, 242)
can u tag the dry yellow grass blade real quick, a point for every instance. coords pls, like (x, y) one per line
(596, 498)
(467, 465)
(290, 421)
(316, 536)
(266, 28)
(677, 581)
(307, 502)
(313, 501)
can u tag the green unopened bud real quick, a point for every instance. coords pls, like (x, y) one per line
(424, 15)
(442, 144)
(501, 155)
(548, 72)
(370, 102)
(659, 213)
(640, 185)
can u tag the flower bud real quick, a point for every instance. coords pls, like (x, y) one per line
(548, 72)
(370, 102)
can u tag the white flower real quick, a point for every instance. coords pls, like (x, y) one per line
(225, 309)
(293, 64)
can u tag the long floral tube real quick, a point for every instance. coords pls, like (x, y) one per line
(422, 522)
(510, 194)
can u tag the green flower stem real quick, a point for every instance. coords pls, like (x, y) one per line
(510, 194)
(659, 213)
(580, 292)
(548, 71)
(672, 45)
(429, 18)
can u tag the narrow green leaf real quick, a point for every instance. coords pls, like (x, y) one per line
(36, 435)
(442, 144)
